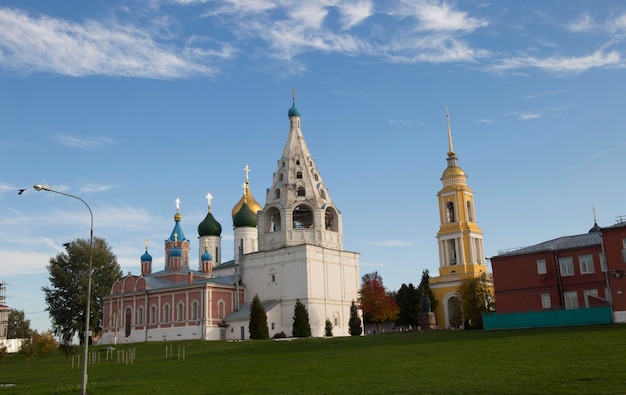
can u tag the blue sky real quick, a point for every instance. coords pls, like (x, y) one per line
(133, 104)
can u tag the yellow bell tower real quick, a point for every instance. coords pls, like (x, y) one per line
(460, 241)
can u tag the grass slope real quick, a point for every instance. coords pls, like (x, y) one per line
(581, 360)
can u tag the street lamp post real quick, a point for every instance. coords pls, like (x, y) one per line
(86, 338)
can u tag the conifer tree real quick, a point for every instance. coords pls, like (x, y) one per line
(258, 320)
(328, 329)
(301, 326)
(355, 322)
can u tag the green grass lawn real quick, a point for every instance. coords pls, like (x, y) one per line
(584, 360)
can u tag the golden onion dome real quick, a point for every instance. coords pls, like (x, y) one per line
(247, 198)
(453, 171)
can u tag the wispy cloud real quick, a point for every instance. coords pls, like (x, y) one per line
(85, 143)
(561, 64)
(353, 13)
(583, 23)
(438, 16)
(46, 44)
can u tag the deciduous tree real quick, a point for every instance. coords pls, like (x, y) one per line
(301, 325)
(18, 327)
(258, 320)
(354, 325)
(67, 296)
(376, 303)
(476, 298)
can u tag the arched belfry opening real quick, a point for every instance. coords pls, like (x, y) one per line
(450, 211)
(302, 217)
(273, 222)
(331, 220)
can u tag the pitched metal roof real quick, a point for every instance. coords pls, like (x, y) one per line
(560, 243)
(244, 311)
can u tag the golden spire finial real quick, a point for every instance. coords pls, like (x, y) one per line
(206, 244)
(451, 150)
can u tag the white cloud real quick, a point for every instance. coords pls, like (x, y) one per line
(584, 23)
(46, 44)
(85, 143)
(355, 12)
(526, 116)
(570, 65)
(438, 16)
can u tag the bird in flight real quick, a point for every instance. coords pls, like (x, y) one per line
(21, 191)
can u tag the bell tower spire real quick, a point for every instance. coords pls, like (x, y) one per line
(298, 209)
(460, 239)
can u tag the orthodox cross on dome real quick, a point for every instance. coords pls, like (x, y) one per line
(209, 197)
(245, 189)
(593, 208)
(175, 238)
(147, 244)
(177, 204)
(293, 94)
(247, 170)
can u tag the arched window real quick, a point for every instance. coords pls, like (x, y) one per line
(336, 319)
(153, 314)
(194, 310)
(322, 194)
(470, 215)
(331, 219)
(317, 178)
(452, 251)
(298, 162)
(299, 174)
(280, 177)
(180, 312)
(277, 194)
(301, 192)
(273, 223)
(450, 211)
(166, 313)
(302, 217)
(221, 309)
(140, 316)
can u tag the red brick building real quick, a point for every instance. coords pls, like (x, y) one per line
(569, 272)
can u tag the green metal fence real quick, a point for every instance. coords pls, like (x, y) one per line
(552, 318)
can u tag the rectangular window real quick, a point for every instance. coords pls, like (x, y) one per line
(586, 264)
(589, 292)
(541, 266)
(567, 266)
(603, 266)
(571, 300)
(272, 326)
(545, 301)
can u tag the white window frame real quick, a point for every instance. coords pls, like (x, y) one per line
(585, 262)
(546, 303)
(566, 266)
(541, 266)
(571, 300)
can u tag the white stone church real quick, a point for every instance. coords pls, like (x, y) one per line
(290, 249)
